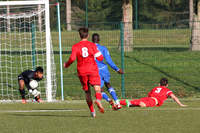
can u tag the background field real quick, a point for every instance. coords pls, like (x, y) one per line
(74, 117)
(157, 53)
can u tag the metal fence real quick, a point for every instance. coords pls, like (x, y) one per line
(160, 51)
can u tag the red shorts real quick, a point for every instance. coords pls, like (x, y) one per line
(89, 79)
(150, 102)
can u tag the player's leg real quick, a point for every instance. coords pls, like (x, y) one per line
(21, 89)
(130, 103)
(112, 92)
(104, 95)
(95, 81)
(98, 96)
(85, 84)
(142, 102)
(147, 102)
(90, 102)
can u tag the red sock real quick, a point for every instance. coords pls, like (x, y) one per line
(98, 96)
(90, 105)
(123, 102)
(135, 102)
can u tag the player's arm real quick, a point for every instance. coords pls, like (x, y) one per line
(97, 54)
(72, 58)
(110, 62)
(176, 100)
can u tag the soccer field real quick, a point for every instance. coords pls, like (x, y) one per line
(74, 117)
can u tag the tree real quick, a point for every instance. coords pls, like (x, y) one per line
(8, 22)
(191, 12)
(128, 24)
(68, 15)
(195, 41)
(39, 19)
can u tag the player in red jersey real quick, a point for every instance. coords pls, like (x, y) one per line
(85, 53)
(156, 97)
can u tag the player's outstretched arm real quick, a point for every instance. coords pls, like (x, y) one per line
(72, 58)
(109, 60)
(177, 100)
(120, 71)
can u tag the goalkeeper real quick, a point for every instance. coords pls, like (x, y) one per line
(104, 72)
(25, 78)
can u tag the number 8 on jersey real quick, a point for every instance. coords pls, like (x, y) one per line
(85, 52)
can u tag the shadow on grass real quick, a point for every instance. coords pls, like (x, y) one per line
(163, 72)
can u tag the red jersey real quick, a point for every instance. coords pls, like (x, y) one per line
(161, 93)
(85, 52)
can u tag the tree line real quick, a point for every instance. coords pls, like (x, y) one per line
(148, 11)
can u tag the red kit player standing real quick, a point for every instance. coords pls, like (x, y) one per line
(156, 97)
(85, 53)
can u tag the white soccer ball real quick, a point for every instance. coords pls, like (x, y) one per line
(33, 84)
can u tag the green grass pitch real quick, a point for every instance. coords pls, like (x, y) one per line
(156, 54)
(74, 117)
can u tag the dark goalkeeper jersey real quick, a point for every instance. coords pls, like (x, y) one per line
(27, 76)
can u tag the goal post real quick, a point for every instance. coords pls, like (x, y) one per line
(27, 42)
(48, 52)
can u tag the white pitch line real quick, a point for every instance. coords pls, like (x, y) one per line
(74, 110)
(37, 111)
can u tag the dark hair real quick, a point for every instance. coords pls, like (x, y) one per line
(95, 38)
(39, 69)
(163, 82)
(83, 32)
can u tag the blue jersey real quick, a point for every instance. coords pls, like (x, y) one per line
(101, 64)
(103, 68)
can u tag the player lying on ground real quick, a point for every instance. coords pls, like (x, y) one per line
(105, 74)
(25, 78)
(85, 53)
(156, 97)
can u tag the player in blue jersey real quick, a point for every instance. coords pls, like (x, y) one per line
(104, 72)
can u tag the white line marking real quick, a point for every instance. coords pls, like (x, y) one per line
(73, 110)
(37, 111)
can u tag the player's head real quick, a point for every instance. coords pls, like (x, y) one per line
(164, 82)
(95, 38)
(39, 72)
(83, 32)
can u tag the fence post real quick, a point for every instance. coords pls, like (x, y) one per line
(122, 57)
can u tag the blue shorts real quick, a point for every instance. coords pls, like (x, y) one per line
(104, 75)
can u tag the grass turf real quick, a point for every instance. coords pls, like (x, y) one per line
(74, 117)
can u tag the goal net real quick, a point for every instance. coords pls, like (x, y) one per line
(25, 43)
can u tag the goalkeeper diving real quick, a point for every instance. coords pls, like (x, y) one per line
(30, 79)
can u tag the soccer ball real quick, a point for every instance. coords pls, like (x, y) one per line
(33, 84)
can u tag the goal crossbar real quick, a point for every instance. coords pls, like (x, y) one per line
(14, 3)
